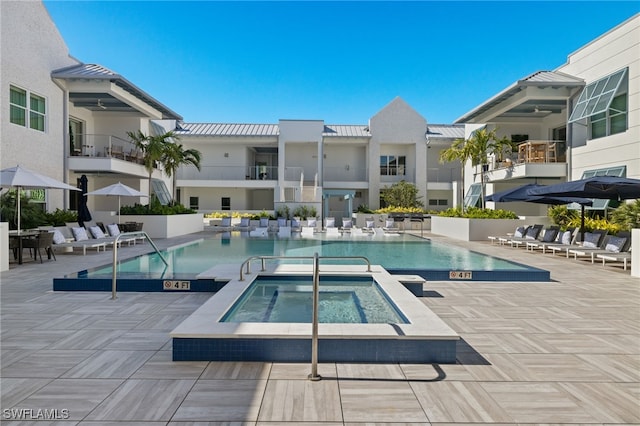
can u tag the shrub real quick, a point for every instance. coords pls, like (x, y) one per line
(155, 209)
(627, 216)
(562, 216)
(60, 217)
(396, 209)
(477, 213)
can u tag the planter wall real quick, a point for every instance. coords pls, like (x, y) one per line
(474, 229)
(158, 226)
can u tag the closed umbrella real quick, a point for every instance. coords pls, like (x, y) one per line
(20, 178)
(83, 211)
(119, 190)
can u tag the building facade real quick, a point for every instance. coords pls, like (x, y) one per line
(65, 118)
(576, 121)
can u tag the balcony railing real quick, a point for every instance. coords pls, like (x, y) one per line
(446, 175)
(93, 145)
(229, 173)
(345, 174)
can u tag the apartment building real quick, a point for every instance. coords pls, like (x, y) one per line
(66, 119)
(579, 120)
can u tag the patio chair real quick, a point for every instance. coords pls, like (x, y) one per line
(563, 238)
(98, 235)
(63, 238)
(296, 225)
(590, 238)
(44, 241)
(225, 225)
(624, 257)
(244, 225)
(611, 244)
(519, 232)
(390, 226)
(347, 224)
(532, 233)
(369, 224)
(329, 222)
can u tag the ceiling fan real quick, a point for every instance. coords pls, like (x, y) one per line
(101, 105)
(541, 111)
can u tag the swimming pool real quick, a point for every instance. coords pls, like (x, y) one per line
(403, 254)
(289, 299)
(419, 336)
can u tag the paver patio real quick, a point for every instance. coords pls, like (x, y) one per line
(563, 352)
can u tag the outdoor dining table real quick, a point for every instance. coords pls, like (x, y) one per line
(536, 152)
(21, 236)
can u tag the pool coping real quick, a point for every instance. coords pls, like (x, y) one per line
(423, 324)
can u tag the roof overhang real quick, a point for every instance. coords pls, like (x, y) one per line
(99, 89)
(532, 98)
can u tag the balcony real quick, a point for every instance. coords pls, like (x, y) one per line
(533, 159)
(253, 176)
(92, 153)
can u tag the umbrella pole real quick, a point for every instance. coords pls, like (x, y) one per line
(18, 204)
(118, 210)
(582, 222)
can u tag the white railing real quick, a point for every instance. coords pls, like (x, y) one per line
(229, 173)
(96, 145)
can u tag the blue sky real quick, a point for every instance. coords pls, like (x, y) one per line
(341, 62)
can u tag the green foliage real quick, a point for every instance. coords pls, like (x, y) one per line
(477, 213)
(401, 194)
(264, 213)
(305, 211)
(396, 209)
(31, 214)
(283, 211)
(562, 216)
(363, 208)
(60, 217)
(155, 208)
(627, 215)
(591, 224)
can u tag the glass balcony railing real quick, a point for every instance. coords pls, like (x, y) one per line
(229, 173)
(93, 145)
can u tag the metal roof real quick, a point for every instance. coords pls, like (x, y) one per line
(445, 131)
(98, 72)
(346, 131)
(227, 129)
(541, 79)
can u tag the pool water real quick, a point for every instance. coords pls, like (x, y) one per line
(289, 299)
(405, 252)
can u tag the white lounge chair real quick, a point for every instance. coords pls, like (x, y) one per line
(611, 245)
(244, 225)
(347, 224)
(225, 225)
(259, 232)
(390, 227)
(625, 258)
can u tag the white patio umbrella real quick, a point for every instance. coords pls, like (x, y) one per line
(20, 178)
(119, 189)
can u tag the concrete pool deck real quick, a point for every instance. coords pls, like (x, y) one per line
(563, 352)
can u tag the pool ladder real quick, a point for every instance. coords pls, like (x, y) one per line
(314, 376)
(115, 256)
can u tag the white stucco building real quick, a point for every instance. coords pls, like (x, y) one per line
(580, 119)
(66, 119)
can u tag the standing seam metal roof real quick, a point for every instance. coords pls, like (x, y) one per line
(228, 129)
(94, 71)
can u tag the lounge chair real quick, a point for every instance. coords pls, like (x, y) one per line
(519, 232)
(284, 231)
(332, 231)
(63, 238)
(390, 226)
(369, 225)
(259, 232)
(625, 258)
(594, 238)
(244, 225)
(310, 227)
(535, 233)
(565, 238)
(329, 222)
(225, 225)
(358, 232)
(98, 235)
(296, 225)
(347, 224)
(610, 245)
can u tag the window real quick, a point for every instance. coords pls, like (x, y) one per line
(160, 190)
(437, 202)
(604, 104)
(391, 165)
(27, 109)
(76, 136)
(225, 202)
(473, 195)
(194, 203)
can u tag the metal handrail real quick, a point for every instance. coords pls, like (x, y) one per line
(115, 256)
(263, 258)
(314, 376)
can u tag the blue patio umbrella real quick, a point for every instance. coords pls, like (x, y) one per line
(83, 211)
(601, 187)
(521, 193)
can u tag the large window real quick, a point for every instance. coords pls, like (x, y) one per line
(391, 165)
(27, 109)
(603, 104)
(472, 198)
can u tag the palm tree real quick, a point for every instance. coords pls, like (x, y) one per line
(153, 149)
(175, 156)
(480, 144)
(461, 151)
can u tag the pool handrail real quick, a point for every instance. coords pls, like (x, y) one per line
(263, 258)
(115, 256)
